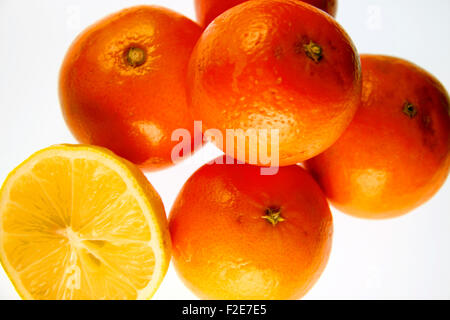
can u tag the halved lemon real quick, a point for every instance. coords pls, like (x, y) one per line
(79, 222)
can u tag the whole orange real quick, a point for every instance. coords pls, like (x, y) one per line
(276, 65)
(241, 235)
(396, 153)
(208, 10)
(122, 83)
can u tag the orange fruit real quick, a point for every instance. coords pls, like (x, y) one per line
(280, 66)
(208, 10)
(79, 222)
(238, 234)
(396, 153)
(122, 84)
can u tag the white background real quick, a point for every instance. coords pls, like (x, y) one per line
(408, 257)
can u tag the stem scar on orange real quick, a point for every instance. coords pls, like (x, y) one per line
(208, 10)
(396, 153)
(281, 66)
(122, 84)
(240, 235)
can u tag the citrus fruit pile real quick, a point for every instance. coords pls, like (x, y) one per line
(369, 133)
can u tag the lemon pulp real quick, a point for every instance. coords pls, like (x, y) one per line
(78, 222)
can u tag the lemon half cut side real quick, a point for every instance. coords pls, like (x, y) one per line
(79, 222)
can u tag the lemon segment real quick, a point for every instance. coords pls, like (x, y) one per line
(78, 222)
